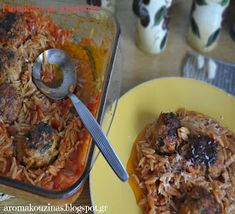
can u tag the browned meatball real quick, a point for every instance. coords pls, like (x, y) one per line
(13, 29)
(10, 103)
(39, 147)
(201, 149)
(199, 201)
(217, 167)
(8, 69)
(165, 133)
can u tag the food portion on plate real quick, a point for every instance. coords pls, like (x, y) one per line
(184, 162)
(43, 142)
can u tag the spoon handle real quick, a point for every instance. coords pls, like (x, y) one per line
(99, 137)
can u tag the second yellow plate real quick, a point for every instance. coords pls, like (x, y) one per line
(139, 107)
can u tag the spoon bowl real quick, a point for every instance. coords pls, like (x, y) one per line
(65, 63)
(65, 89)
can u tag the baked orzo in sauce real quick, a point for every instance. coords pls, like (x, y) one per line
(184, 162)
(41, 139)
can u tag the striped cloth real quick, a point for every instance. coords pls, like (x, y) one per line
(213, 71)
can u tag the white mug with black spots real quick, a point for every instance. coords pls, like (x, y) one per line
(205, 23)
(152, 26)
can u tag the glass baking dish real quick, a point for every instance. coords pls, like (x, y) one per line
(104, 27)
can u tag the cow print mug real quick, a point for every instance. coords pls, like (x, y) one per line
(205, 23)
(152, 25)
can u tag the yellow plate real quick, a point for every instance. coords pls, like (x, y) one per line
(139, 107)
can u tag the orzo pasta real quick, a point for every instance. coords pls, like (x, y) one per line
(43, 142)
(184, 162)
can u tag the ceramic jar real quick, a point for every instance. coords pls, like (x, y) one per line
(106, 4)
(152, 24)
(205, 23)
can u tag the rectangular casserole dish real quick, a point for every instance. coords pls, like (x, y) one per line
(102, 27)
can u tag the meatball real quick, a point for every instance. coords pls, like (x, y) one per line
(199, 201)
(13, 28)
(165, 133)
(39, 148)
(10, 103)
(9, 69)
(7, 22)
(203, 150)
(217, 167)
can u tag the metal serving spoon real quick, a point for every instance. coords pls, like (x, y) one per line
(64, 62)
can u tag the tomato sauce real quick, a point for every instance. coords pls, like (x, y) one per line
(131, 165)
